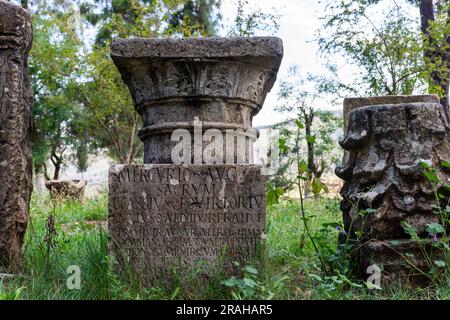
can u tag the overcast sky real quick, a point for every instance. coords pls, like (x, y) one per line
(298, 24)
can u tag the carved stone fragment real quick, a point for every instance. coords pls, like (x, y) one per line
(221, 82)
(66, 190)
(385, 186)
(16, 102)
(356, 102)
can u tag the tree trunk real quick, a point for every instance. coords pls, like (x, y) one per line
(310, 150)
(47, 177)
(16, 103)
(131, 145)
(57, 170)
(42, 169)
(435, 55)
(57, 162)
(446, 100)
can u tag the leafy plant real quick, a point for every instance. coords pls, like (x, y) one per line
(436, 244)
(305, 142)
(250, 287)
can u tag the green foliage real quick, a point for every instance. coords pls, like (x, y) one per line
(273, 193)
(54, 70)
(251, 287)
(152, 18)
(436, 232)
(306, 142)
(112, 122)
(387, 52)
(435, 228)
(333, 283)
(197, 17)
(397, 53)
(249, 20)
(9, 295)
(291, 269)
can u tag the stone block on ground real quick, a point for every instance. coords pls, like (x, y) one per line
(70, 190)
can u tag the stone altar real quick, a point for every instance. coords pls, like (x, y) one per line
(207, 211)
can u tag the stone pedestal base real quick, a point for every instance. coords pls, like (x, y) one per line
(167, 219)
(66, 190)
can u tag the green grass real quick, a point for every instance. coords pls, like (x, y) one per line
(291, 269)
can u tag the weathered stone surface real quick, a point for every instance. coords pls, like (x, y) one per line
(66, 190)
(16, 101)
(386, 144)
(222, 82)
(356, 102)
(167, 217)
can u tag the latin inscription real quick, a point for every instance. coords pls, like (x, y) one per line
(166, 215)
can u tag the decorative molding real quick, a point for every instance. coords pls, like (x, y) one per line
(218, 79)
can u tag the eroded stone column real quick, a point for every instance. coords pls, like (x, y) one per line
(201, 214)
(16, 102)
(385, 185)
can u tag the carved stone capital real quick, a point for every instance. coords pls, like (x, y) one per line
(386, 145)
(175, 81)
